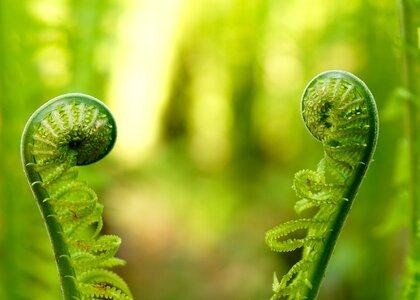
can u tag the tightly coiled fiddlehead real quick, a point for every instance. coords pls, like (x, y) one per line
(340, 112)
(71, 130)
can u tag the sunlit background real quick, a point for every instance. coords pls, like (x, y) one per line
(206, 95)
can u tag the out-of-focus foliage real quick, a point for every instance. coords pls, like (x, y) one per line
(206, 95)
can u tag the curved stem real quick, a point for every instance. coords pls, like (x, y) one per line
(61, 251)
(320, 265)
(344, 207)
(66, 271)
(340, 112)
(70, 130)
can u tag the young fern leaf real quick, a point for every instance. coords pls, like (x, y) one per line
(339, 111)
(67, 131)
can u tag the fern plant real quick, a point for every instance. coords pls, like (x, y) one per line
(339, 111)
(67, 131)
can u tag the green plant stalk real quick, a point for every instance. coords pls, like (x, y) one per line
(409, 22)
(408, 29)
(71, 130)
(336, 226)
(61, 252)
(340, 112)
(321, 264)
(58, 241)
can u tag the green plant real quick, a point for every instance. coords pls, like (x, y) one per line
(339, 111)
(71, 130)
(410, 36)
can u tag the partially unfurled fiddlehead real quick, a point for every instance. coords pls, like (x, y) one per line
(67, 131)
(339, 111)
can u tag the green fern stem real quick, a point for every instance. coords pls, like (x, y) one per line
(339, 111)
(67, 131)
(409, 22)
(61, 252)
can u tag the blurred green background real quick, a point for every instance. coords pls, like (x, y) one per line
(206, 94)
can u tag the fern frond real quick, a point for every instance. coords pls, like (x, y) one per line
(72, 130)
(92, 253)
(292, 281)
(340, 112)
(274, 235)
(103, 284)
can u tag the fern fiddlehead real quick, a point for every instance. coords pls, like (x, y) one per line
(339, 111)
(71, 130)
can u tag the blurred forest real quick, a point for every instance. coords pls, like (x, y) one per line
(206, 95)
